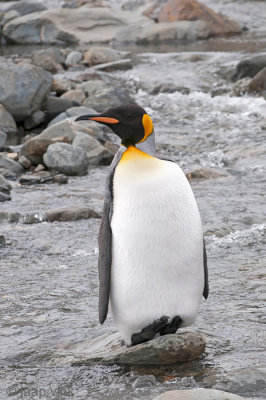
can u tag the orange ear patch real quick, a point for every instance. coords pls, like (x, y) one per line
(105, 120)
(148, 127)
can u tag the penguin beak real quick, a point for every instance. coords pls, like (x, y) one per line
(98, 118)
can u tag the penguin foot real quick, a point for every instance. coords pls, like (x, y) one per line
(149, 331)
(172, 326)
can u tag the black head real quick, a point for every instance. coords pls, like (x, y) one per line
(131, 123)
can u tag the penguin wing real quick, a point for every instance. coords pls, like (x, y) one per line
(105, 242)
(206, 282)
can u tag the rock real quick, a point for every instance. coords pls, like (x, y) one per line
(108, 349)
(39, 168)
(72, 112)
(25, 7)
(74, 57)
(100, 55)
(5, 182)
(102, 99)
(2, 241)
(77, 96)
(59, 26)
(96, 153)
(258, 83)
(111, 147)
(6, 164)
(92, 87)
(3, 137)
(60, 86)
(249, 67)
(32, 219)
(24, 162)
(23, 89)
(163, 32)
(191, 10)
(206, 173)
(241, 87)
(67, 159)
(7, 125)
(35, 148)
(115, 65)
(4, 190)
(197, 394)
(8, 16)
(9, 216)
(70, 214)
(34, 120)
(4, 197)
(42, 177)
(69, 128)
(57, 105)
(247, 381)
(49, 59)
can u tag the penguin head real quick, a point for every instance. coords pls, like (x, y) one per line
(130, 122)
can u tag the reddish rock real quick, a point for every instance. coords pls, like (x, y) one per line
(35, 148)
(191, 10)
(258, 83)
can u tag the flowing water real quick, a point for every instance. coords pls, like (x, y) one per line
(49, 279)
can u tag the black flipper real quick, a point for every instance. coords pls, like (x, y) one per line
(206, 282)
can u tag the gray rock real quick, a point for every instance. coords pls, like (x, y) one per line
(4, 197)
(258, 83)
(2, 241)
(23, 89)
(8, 16)
(35, 148)
(241, 86)
(197, 394)
(108, 349)
(32, 219)
(4, 192)
(49, 59)
(60, 86)
(67, 128)
(103, 98)
(96, 153)
(115, 65)
(25, 7)
(74, 57)
(92, 87)
(163, 32)
(6, 164)
(67, 159)
(34, 120)
(42, 177)
(101, 55)
(5, 182)
(3, 137)
(24, 162)
(249, 67)
(57, 105)
(58, 26)
(70, 214)
(7, 125)
(77, 96)
(72, 112)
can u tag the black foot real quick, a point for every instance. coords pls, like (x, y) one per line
(172, 326)
(149, 331)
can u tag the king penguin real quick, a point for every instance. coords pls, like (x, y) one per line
(152, 258)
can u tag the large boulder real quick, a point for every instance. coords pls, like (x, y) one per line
(8, 125)
(23, 88)
(192, 10)
(58, 26)
(197, 394)
(151, 33)
(67, 159)
(26, 7)
(108, 349)
(249, 67)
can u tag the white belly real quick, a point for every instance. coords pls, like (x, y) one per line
(157, 246)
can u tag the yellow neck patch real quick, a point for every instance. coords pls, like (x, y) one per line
(148, 127)
(132, 154)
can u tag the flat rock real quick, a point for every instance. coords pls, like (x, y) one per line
(192, 10)
(109, 349)
(197, 394)
(67, 159)
(70, 214)
(26, 7)
(23, 89)
(57, 26)
(42, 177)
(249, 67)
(115, 65)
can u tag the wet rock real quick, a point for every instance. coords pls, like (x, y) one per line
(3, 137)
(100, 55)
(25, 7)
(115, 65)
(109, 349)
(197, 394)
(103, 98)
(77, 96)
(42, 177)
(34, 120)
(24, 162)
(49, 59)
(9, 216)
(67, 159)
(7, 126)
(60, 86)
(6, 164)
(5, 182)
(246, 381)
(96, 153)
(35, 148)
(8, 16)
(74, 57)
(57, 105)
(4, 194)
(70, 214)
(249, 67)
(23, 89)
(241, 86)
(32, 219)
(58, 26)
(206, 173)
(258, 83)
(162, 33)
(192, 10)
(2, 241)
